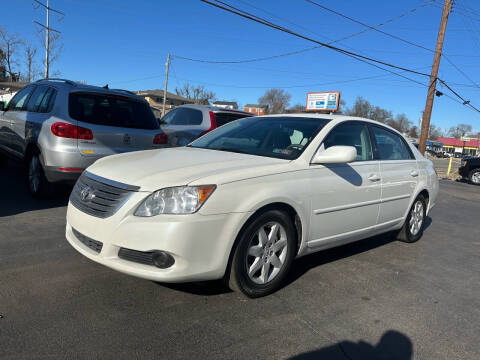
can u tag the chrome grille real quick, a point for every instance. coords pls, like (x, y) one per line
(98, 196)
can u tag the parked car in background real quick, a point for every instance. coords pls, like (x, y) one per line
(58, 127)
(188, 122)
(241, 202)
(470, 169)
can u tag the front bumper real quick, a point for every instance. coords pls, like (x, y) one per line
(200, 244)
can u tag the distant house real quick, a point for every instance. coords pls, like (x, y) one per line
(255, 109)
(231, 105)
(155, 99)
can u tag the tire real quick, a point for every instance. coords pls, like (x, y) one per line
(266, 246)
(414, 225)
(37, 183)
(474, 176)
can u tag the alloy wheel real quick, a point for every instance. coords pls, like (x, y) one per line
(266, 253)
(476, 178)
(416, 217)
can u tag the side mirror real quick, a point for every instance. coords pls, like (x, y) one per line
(335, 154)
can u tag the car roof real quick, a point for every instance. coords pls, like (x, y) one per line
(69, 84)
(332, 117)
(213, 108)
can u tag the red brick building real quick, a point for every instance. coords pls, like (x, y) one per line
(255, 109)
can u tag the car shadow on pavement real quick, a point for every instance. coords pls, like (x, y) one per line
(204, 288)
(393, 345)
(15, 198)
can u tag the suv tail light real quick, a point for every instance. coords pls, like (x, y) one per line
(71, 131)
(213, 123)
(160, 139)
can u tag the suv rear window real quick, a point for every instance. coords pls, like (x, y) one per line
(111, 110)
(183, 116)
(223, 118)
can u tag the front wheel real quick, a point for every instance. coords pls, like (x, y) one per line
(474, 176)
(37, 183)
(414, 225)
(264, 254)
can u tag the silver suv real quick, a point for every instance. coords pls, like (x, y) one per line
(186, 123)
(58, 128)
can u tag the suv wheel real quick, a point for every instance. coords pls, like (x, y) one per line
(264, 254)
(38, 184)
(414, 225)
(474, 176)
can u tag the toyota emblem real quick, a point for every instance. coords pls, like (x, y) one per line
(87, 194)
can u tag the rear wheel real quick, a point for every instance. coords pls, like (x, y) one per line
(37, 183)
(414, 225)
(264, 254)
(474, 176)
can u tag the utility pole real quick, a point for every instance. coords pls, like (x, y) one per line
(167, 66)
(47, 33)
(427, 114)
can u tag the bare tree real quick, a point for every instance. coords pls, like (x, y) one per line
(459, 130)
(32, 71)
(413, 132)
(9, 45)
(434, 132)
(276, 100)
(196, 93)
(400, 123)
(296, 108)
(363, 108)
(55, 49)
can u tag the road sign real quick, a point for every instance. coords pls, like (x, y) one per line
(323, 101)
(466, 139)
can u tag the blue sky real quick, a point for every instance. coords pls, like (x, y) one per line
(125, 44)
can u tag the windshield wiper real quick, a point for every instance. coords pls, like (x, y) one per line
(230, 150)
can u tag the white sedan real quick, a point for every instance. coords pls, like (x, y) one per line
(243, 201)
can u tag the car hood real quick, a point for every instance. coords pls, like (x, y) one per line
(155, 169)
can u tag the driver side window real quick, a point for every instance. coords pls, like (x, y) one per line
(351, 134)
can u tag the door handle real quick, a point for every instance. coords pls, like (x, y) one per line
(414, 173)
(373, 177)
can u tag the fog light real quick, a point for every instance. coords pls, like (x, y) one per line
(162, 260)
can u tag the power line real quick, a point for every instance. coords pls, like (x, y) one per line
(371, 61)
(394, 37)
(305, 49)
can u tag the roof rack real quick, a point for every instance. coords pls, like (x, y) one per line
(57, 79)
(125, 91)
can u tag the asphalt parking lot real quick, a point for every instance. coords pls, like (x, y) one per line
(376, 298)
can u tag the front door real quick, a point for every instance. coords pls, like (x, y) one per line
(399, 172)
(346, 197)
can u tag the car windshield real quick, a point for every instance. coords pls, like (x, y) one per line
(278, 137)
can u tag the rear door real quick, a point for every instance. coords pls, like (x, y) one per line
(183, 125)
(399, 173)
(15, 119)
(118, 123)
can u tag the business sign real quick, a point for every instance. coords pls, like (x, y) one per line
(466, 139)
(323, 101)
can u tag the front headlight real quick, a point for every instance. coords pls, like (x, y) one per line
(175, 200)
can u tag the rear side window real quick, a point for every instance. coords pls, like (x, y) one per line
(351, 134)
(225, 118)
(183, 116)
(390, 146)
(41, 99)
(19, 101)
(111, 110)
